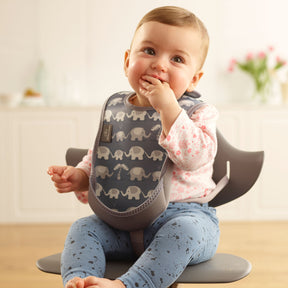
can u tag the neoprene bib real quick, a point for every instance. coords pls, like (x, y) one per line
(131, 173)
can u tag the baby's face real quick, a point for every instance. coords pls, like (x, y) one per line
(169, 53)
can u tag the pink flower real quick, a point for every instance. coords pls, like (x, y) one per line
(271, 48)
(232, 64)
(249, 56)
(280, 60)
(261, 55)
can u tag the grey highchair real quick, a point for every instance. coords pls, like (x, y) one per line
(245, 168)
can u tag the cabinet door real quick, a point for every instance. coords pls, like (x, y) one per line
(39, 141)
(253, 130)
(32, 139)
(232, 127)
(270, 202)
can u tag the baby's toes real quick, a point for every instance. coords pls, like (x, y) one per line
(75, 283)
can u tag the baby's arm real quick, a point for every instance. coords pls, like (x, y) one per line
(191, 142)
(68, 178)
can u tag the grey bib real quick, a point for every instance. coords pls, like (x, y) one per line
(131, 173)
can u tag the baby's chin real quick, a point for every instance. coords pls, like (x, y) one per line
(140, 100)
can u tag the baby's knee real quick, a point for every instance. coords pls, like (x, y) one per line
(89, 221)
(190, 228)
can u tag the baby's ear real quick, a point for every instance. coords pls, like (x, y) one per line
(195, 80)
(126, 61)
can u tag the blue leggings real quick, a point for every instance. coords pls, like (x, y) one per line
(185, 234)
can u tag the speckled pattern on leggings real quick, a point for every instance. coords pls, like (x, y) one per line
(185, 234)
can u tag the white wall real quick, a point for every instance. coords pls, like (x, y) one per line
(82, 43)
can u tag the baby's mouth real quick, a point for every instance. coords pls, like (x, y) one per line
(144, 78)
(158, 77)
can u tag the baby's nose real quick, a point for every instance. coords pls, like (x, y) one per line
(160, 65)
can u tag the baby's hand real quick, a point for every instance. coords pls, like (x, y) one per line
(68, 178)
(162, 99)
(158, 93)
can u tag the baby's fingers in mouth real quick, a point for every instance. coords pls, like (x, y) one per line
(152, 79)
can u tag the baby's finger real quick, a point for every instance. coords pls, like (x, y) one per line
(91, 281)
(56, 170)
(56, 178)
(151, 79)
(64, 190)
(61, 185)
(70, 284)
(68, 172)
(50, 171)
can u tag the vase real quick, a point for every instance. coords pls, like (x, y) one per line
(270, 93)
(261, 96)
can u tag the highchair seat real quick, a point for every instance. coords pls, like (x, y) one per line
(222, 268)
(244, 170)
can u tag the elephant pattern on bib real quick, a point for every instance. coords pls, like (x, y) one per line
(128, 167)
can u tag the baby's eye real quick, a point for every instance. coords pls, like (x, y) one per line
(149, 51)
(178, 59)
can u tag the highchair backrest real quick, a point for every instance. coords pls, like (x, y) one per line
(242, 168)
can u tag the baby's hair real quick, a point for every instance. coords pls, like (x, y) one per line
(177, 16)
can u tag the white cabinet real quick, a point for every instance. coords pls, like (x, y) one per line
(264, 128)
(31, 140)
(34, 138)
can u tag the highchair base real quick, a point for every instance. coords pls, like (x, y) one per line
(222, 268)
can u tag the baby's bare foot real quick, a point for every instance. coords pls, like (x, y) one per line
(75, 283)
(93, 282)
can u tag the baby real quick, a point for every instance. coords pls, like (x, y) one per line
(164, 61)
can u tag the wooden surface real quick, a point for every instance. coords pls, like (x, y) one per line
(264, 244)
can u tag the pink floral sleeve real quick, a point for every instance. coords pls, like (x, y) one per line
(85, 165)
(191, 142)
